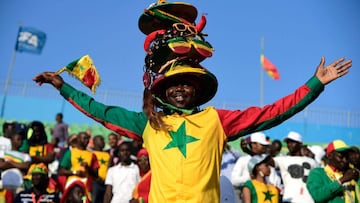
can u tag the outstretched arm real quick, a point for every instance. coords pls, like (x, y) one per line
(115, 118)
(239, 123)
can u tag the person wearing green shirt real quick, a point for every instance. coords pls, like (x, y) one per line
(336, 182)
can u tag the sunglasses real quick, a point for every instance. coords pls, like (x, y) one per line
(184, 46)
(181, 27)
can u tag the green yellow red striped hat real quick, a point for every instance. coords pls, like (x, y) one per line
(336, 145)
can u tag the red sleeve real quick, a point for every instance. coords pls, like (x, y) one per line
(49, 148)
(94, 162)
(238, 123)
(9, 196)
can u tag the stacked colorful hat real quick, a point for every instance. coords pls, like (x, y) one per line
(174, 48)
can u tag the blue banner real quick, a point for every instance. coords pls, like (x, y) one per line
(30, 40)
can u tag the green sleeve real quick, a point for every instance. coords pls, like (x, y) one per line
(315, 84)
(115, 118)
(321, 188)
(66, 160)
(252, 189)
(24, 146)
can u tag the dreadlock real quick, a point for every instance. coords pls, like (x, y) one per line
(150, 110)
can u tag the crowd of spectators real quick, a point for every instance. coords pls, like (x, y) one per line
(36, 167)
(109, 168)
(269, 172)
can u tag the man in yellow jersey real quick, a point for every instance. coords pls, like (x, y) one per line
(80, 163)
(185, 143)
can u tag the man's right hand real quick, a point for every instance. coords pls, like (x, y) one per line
(49, 77)
(350, 174)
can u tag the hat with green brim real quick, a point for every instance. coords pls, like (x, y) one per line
(337, 145)
(204, 82)
(163, 14)
(39, 168)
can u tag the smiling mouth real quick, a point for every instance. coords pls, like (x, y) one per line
(179, 98)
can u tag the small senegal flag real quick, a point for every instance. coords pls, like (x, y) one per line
(269, 67)
(84, 70)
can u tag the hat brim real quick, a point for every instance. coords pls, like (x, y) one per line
(262, 142)
(148, 23)
(339, 150)
(287, 139)
(343, 149)
(204, 82)
(264, 159)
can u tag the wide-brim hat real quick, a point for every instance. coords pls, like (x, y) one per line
(150, 22)
(204, 82)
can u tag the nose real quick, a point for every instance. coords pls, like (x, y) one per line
(345, 159)
(179, 87)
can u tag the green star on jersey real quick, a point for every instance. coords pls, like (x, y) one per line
(268, 195)
(80, 159)
(37, 153)
(180, 139)
(103, 161)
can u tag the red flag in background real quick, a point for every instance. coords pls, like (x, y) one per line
(269, 67)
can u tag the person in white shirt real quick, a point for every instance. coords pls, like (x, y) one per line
(294, 169)
(14, 158)
(14, 164)
(5, 145)
(8, 128)
(122, 178)
(240, 174)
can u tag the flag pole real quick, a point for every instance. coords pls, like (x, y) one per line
(8, 77)
(261, 73)
(7, 82)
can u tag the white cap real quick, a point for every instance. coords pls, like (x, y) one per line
(12, 178)
(293, 136)
(318, 151)
(259, 137)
